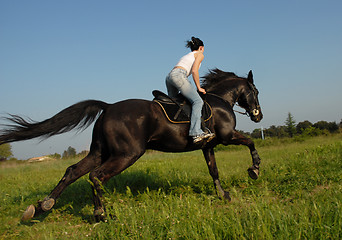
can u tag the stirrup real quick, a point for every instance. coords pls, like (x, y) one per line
(212, 135)
(203, 136)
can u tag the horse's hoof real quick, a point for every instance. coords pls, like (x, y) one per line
(223, 195)
(101, 218)
(100, 215)
(226, 196)
(29, 213)
(253, 173)
(47, 204)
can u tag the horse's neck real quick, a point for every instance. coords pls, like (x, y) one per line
(231, 96)
(232, 93)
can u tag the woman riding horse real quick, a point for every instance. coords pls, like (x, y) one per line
(177, 81)
(124, 130)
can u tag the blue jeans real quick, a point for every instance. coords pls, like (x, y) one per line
(177, 81)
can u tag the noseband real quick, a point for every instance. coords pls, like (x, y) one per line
(253, 91)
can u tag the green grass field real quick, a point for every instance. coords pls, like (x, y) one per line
(171, 196)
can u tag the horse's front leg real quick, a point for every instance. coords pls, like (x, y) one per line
(239, 139)
(211, 162)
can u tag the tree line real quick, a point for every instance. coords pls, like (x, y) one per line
(291, 129)
(70, 152)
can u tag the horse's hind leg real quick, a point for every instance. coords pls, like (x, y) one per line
(99, 176)
(72, 173)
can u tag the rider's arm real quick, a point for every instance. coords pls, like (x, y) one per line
(195, 75)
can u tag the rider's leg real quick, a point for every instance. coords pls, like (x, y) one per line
(177, 80)
(172, 90)
(197, 103)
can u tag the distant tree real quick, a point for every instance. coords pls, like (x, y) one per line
(5, 151)
(332, 127)
(281, 132)
(290, 125)
(276, 131)
(271, 131)
(312, 131)
(256, 133)
(83, 154)
(55, 156)
(321, 125)
(69, 153)
(301, 126)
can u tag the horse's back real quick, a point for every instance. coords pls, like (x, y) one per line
(127, 123)
(137, 123)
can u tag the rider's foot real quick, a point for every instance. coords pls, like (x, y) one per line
(203, 136)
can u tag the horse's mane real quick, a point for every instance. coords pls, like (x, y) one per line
(215, 76)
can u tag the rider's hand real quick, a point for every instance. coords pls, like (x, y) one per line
(202, 90)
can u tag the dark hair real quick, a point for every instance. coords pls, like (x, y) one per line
(194, 44)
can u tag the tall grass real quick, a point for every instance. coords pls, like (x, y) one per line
(171, 196)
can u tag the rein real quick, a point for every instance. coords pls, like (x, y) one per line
(224, 100)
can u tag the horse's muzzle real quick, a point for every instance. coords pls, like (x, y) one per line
(256, 115)
(255, 112)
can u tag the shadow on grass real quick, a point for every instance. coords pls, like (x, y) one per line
(79, 195)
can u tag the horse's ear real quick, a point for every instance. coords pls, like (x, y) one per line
(250, 77)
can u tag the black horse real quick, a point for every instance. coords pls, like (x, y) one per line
(124, 130)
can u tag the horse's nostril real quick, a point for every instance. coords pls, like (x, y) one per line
(255, 112)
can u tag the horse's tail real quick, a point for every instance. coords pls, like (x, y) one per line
(79, 116)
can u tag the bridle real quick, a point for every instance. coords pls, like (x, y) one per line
(224, 100)
(253, 91)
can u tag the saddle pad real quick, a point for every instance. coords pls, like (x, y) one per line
(180, 113)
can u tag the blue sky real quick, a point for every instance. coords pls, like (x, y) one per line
(56, 53)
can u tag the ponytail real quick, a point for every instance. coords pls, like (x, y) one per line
(194, 44)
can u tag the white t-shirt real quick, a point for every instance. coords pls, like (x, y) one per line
(187, 62)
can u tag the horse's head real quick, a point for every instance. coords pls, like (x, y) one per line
(248, 99)
(232, 89)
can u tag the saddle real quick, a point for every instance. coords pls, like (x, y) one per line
(178, 110)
